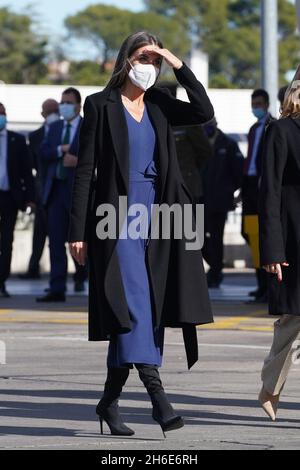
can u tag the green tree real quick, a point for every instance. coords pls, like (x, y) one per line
(229, 32)
(107, 27)
(87, 72)
(22, 52)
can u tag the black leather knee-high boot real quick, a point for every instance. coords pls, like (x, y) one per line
(107, 408)
(163, 411)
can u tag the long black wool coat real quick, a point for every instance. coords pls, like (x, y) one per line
(279, 213)
(177, 278)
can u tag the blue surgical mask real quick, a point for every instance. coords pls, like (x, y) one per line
(259, 113)
(67, 111)
(3, 121)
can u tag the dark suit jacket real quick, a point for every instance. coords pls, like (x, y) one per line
(259, 158)
(49, 154)
(251, 183)
(19, 170)
(260, 147)
(180, 294)
(223, 174)
(35, 140)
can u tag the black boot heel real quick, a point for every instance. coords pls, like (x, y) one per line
(108, 409)
(170, 425)
(163, 412)
(113, 420)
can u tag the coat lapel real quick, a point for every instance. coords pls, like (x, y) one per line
(75, 141)
(119, 134)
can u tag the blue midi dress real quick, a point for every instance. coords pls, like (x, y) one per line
(144, 343)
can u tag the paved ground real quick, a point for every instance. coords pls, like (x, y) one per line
(53, 378)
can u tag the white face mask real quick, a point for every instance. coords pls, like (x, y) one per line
(143, 75)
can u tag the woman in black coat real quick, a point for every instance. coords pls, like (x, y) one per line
(111, 142)
(279, 243)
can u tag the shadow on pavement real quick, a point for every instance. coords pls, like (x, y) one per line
(64, 411)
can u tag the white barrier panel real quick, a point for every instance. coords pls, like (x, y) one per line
(2, 352)
(23, 103)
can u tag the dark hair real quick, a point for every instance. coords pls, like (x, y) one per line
(75, 92)
(281, 93)
(260, 92)
(129, 46)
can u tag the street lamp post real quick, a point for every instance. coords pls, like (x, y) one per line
(269, 51)
(298, 13)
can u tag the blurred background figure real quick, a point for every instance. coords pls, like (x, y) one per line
(222, 176)
(252, 174)
(193, 150)
(16, 191)
(59, 150)
(50, 113)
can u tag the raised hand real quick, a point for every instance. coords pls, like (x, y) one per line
(170, 58)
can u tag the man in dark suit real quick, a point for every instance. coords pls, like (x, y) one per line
(50, 113)
(16, 191)
(252, 175)
(60, 149)
(222, 176)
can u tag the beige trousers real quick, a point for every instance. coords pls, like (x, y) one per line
(284, 352)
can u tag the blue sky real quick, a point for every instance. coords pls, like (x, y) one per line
(51, 14)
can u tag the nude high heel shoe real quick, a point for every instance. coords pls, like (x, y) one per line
(269, 403)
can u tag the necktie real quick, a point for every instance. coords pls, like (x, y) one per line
(252, 134)
(61, 173)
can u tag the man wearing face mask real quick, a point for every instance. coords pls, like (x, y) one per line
(59, 151)
(252, 174)
(16, 191)
(50, 113)
(222, 176)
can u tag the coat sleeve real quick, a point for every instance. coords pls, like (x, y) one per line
(82, 186)
(274, 156)
(181, 113)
